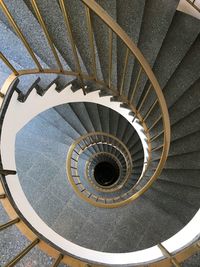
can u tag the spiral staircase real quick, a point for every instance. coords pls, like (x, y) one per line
(99, 133)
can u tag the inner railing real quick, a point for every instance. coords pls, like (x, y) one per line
(78, 148)
(112, 155)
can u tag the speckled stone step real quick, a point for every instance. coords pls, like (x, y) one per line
(76, 10)
(129, 17)
(157, 18)
(101, 34)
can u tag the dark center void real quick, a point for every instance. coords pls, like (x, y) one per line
(106, 174)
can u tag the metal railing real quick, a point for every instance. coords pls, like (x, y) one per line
(77, 149)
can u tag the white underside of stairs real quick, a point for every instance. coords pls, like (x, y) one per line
(18, 114)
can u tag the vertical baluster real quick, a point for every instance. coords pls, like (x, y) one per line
(124, 71)
(41, 21)
(166, 253)
(156, 121)
(2, 196)
(7, 172)
(20, 34)
(75, 54)
(156, 148)
(58, 260)
(145, 97)
(136, 84)
(110, 49)
(8, 224)
(150, 110)
(22, 253)
(91, 41)
(156, 136)
(8, 64)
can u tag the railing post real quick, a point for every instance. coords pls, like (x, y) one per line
(22, 253)
(136, 85)
(57, 261)
(166, 253)
(41, 21)
(8, 224)
(7, 172)
(110, 57)
(20, 34)
(68, 27)
(124, 71)
(2, 196)
(8, 64)
(91, 41)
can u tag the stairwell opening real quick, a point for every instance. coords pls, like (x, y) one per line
(106, 173)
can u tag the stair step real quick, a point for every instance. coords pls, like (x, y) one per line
(104, 117)
(182, 177)
(66, 112)
(128, 131)
(185, 144)
(83, 116)
(3, 77)
(119, 125)
(33, 33)
(134, 142)
(62, 82)
(186, 194)
(184, 161)
(29, 82)
(138, 163)
(122, 125)
(53, 118)
(185, 126)
(181, 34)
(182, 79)
(171, 205)
(187, 103)
(101, 34)
(134, 14)
(130, 136)
(158, 228)
(40, 127)
(54, 21)
(13, 240)
(138, 156)
(157, 18)
(93, 113)
(184, 76)
(12, 47)
(79, 27)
